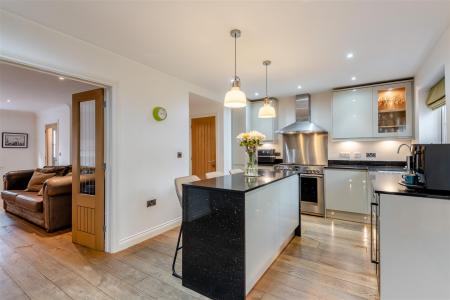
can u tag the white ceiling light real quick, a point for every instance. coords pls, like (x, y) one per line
(256, 94)
(299, 87)
(8, 100)
(354, 78)
(235, 98)
(267, 111)
(61, 78)
(350, 55)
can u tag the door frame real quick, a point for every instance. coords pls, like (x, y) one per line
(197, 116)
(111, 88)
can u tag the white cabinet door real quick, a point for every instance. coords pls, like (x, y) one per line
(265, 126)
(352, 113)
(346, 190)
(392, 110)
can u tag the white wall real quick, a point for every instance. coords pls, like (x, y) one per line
(62, 116)
(18, 159)
(142, 153)
(433, 68)
(202, 107)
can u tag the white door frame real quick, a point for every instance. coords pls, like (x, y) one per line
(110, 94)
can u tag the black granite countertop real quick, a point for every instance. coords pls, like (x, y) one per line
(388, 183)
(241, 183)
(369, 165)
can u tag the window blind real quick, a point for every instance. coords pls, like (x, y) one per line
(436, 95)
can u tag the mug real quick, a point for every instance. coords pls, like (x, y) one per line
(409, 179)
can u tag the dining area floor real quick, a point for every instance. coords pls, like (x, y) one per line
(331, 260)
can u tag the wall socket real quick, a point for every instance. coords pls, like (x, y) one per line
(151, 202)
(371, 155)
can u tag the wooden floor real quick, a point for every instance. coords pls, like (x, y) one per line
(330, 261)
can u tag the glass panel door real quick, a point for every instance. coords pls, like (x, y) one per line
(392, 110)
(87, 147)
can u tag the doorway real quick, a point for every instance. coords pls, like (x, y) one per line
(88, 175)
(51, 145)
(203, 140)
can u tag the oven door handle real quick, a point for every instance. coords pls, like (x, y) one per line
(311, 175)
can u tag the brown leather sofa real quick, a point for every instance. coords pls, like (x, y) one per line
(52, 210)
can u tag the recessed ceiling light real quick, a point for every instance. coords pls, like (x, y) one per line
(354, 90)
(8, 100)
(256, 94)
(350, 55)
(299, 87)
(61, 78)
(354, 78)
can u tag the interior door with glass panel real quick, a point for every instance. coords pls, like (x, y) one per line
(51, 144)
(393, 110)
(88, 175)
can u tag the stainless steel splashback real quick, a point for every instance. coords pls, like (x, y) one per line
(305, 148)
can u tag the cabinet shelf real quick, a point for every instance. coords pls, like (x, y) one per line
(391, 126)
(392, 111)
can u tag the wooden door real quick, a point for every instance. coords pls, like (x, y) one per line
(88, 175)
(51, 144)
(203, 132)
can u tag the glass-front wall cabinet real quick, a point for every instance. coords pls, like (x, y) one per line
(392, 110)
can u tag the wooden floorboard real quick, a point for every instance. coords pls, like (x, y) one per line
(330, 261)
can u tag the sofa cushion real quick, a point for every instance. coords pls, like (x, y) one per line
(10, 196)
(29, 201)
(37, 181)
(59, 170)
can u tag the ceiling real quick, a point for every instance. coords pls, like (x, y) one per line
(307, 41)
(29, 90)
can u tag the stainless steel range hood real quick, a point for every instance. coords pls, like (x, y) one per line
(303, 122)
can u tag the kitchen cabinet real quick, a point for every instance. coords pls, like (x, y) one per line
(378, 111)
(352, 113)
(265, 126)
(392, 110)
(346, 190)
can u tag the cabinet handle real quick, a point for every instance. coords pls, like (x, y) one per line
(373, 259)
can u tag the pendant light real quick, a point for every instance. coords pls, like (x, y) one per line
(267, 111)
(235, 98)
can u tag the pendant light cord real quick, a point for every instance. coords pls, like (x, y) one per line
(235, 39)
(266, 83)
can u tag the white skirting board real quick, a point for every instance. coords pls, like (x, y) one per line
(147, 234)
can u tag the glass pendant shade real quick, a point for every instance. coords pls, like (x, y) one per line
(235, 98)
(267, 111)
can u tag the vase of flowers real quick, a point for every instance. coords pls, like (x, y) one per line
(251, 141)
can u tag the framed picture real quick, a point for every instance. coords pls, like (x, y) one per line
(14, 140)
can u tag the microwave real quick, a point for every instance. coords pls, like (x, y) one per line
(431, 163)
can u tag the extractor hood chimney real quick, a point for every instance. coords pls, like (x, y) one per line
(303, 122)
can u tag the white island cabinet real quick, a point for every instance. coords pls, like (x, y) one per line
(414, 235)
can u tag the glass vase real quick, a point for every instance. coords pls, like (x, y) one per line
(251, 164)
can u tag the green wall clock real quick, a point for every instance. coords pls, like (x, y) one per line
(159, 113)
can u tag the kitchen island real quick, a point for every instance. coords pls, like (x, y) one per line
(234, 227)
(410, 240)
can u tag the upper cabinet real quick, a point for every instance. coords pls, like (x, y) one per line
(352, 113)
(265, 126)
(392, 107)
(373, 112)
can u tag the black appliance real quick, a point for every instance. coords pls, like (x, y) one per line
(311, 187)
(266, 156)
(431, 164)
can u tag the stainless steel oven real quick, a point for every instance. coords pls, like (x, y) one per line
(311, 194)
